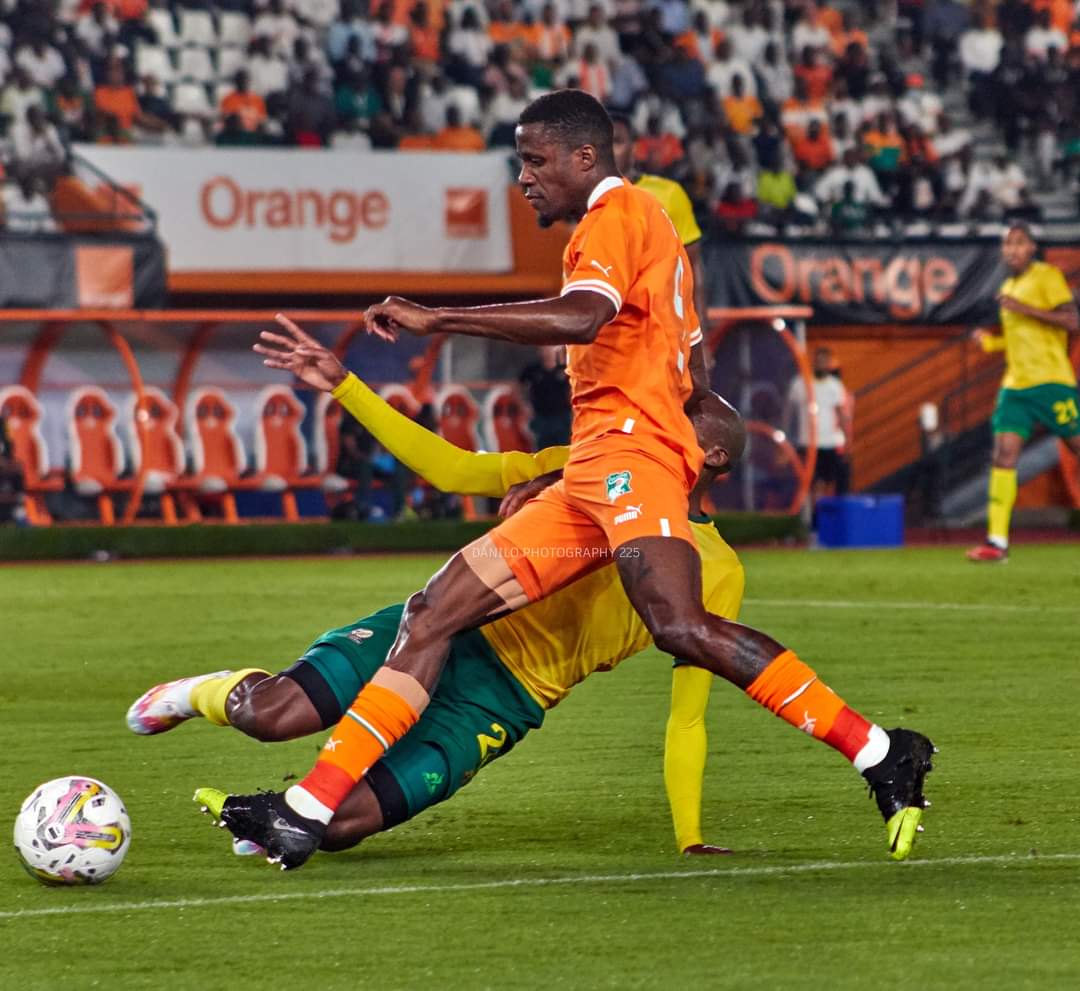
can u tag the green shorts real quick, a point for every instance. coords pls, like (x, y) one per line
(1055, 406)
(478, 710)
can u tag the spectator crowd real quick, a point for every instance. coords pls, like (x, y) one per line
(775, 112)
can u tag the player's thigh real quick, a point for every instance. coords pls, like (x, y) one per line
(549, 543)
(477, 714)
(336, 666)
(1013, 419)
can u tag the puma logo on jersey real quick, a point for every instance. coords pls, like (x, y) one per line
(631, 513)
(605, 270)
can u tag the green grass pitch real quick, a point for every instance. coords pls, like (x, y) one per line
(556, 868)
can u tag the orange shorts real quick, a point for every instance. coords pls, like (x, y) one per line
(603, 501)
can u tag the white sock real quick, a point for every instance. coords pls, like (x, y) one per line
(873, 751)
(999, 542)
(301, 801)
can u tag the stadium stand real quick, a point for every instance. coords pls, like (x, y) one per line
(935, 111)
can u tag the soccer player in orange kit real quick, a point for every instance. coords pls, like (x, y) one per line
(626, 314)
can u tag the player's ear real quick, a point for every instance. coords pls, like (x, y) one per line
(718, 459)
(587, 157)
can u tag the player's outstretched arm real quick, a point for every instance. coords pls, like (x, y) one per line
(1066, 316)
(442, 464)
(575, 318)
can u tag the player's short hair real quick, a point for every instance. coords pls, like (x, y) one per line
(574, 118)
(1024, 227)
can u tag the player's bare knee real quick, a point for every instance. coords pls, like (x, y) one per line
(679, 636)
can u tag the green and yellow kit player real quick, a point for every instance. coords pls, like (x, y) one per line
(1038, 313)
(500, 680)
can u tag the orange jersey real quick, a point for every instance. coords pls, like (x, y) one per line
(634, 378)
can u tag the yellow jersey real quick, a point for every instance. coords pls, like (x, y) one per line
(1036, 353)
(676, 205)
(590, 626)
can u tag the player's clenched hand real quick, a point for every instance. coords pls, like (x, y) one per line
(517, 495)
(299, 353)
(394, 314)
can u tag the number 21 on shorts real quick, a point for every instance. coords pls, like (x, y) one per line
(1065, 411)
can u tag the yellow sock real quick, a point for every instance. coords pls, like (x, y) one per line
(1002, 497)
(208, 697)
(684, 751)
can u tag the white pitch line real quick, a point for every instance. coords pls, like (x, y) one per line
(536, 882)
(921, 606)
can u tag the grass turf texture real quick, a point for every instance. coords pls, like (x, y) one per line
(993, 682)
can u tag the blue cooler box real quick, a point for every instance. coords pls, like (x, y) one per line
(860, 521)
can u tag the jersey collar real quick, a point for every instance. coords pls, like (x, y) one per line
(602, 187)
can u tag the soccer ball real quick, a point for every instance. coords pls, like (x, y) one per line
(72, 831)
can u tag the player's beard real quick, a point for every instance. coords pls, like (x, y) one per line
(544, 221)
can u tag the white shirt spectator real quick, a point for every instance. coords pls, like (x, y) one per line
(749, 42)
(778, 80)
(918, 106)
(1008, 184)
(281, 29)
(44, 68)
(980, 179)
(830, 187)
(719, 12)
(1003, 184)
(851, 110)
(1038, 42)
(503, 109)
(389, 35)
(578, 10)
(36, 148)
(952, 142)
(604, 38)
(873, 104)
(829, 398)
(321, 13)
(67, 11)
(474, 47)
(26, 214)
(814, 35)
(269, 74)
(15, 101)
(433, 107)
(94, 33)
(721, 73)
(743, 176)
(980, 49)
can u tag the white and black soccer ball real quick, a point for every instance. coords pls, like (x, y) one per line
(72, 831)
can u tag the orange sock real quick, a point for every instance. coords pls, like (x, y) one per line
(790, 689)
(384, 711)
